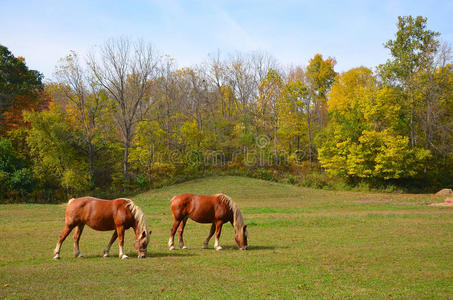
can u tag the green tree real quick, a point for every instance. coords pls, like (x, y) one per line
(269, 105)
(56, 156)
(297, 115)
(412, 51)
(16, 177)
(20, 88)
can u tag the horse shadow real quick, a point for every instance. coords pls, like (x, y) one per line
(131, 255)
(252, 247)
(169, 254)
(258, 247)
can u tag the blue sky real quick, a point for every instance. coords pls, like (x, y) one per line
(292, 31)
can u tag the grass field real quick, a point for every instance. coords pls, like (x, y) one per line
(303, 243)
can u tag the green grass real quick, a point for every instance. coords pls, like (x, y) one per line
(303, 243)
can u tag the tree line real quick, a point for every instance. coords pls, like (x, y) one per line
(127, 117)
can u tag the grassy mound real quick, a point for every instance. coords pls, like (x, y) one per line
(303, 243)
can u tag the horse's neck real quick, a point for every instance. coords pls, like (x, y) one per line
(232, 217)
(135, 226)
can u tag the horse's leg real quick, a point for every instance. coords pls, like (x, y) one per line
(211, 233)
(180, 233)
(172, 234)
(218, 228)
(112, 240)
(67, 230)
(77, 234)
(120, 231)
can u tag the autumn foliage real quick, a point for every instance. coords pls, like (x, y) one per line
(126, 119)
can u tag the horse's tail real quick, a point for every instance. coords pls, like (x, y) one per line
(171, 200)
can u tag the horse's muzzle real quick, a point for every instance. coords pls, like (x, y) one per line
(142, 253)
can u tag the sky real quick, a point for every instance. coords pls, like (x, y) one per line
(291, 31)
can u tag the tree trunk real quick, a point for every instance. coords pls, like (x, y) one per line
(91, 158)
(412, 130)
(310, 156)
(428, 125)
(126, 161)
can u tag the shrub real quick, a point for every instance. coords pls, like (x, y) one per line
(142, 182)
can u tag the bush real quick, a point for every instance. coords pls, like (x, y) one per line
(291, 180)
(142, 182)
(22, 181)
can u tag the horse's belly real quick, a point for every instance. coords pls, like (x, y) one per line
(203, 219)
(203, 216)
(103, 224)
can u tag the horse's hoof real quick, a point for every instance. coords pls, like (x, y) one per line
(124, 256)
(172, 248)
(56, 257)
(204, 247)
(106, 255)
(218, 248)
(184, 247)
(79, 255)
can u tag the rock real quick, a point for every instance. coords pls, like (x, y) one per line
(445, 192)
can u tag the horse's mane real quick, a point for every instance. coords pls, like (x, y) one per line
(139, 217)
(238, 220)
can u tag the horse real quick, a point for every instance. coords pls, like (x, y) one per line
(215, 209)
(103, 215)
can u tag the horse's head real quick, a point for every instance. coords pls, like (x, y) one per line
(241, 238)
(141, 242)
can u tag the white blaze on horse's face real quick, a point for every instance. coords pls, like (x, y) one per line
(141, 243)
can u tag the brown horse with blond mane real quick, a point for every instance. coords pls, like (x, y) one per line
(119, 215)
(216, 209)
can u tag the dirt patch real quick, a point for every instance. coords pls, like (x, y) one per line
(368, 200)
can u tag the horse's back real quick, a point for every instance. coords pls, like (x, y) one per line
(97, 213)
(200, 208)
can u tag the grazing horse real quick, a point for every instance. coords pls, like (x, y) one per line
(216, 209)
(119, 215)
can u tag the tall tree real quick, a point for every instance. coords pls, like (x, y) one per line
(125, 69)
(87, 104)
(269, 104)
(299, 104)
(320, 75)
(412, 51)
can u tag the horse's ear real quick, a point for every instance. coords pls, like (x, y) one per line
(245, 227)
(144, 234)
(150, 232)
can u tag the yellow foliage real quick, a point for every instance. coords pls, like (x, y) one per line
(362, 139)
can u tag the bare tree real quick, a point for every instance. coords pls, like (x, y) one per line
(433, 87)
(84, 95)
(125, 69)
(261, 63)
